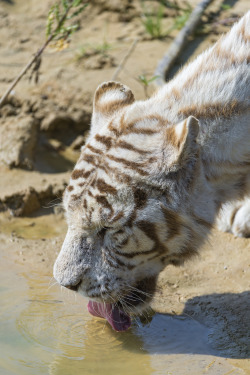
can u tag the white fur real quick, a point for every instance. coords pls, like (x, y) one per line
(185, 182)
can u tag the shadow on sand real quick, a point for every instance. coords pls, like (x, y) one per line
(215, 324)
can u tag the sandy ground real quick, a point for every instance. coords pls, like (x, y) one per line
(43, 126)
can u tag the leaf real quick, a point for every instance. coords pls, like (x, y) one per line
(143, 79)
(153, 79)
(153, 22)
(72, 28)
(77, 11)
(50, 21)
(54, 13)
(76, 3)
(225, 6)
(65, 4)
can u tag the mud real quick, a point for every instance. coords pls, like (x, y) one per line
(205, 303)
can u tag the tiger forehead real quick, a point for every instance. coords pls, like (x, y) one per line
(90, 186)
(116, 159)
(107, 171)
(98, 193)
(97, 188)
(100, 204)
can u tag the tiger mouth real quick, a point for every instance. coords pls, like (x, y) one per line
(131, 300)
(118, 314)
(140, 294)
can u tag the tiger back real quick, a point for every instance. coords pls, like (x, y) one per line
(154, 175)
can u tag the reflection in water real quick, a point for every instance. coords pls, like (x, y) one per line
(46, 331)
(76, 343)
(101, 353)
(44, 226)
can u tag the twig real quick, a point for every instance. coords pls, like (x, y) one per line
(34, 58)
(21, 74)
(226, 21)
(175, 48)
(125, 58)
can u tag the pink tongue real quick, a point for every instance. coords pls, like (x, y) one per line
(117, 318)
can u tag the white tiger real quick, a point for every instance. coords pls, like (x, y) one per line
(153, 176)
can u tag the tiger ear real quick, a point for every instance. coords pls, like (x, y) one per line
(109, 98)
(183, 137)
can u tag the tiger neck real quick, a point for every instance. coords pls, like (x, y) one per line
(224, 147)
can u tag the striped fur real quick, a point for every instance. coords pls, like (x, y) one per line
(154, 174)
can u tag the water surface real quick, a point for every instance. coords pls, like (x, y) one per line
(46, 330)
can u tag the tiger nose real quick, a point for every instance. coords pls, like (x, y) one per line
(72, 287)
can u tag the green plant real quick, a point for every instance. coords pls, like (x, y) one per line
(81, 52)
(153, 22)
(103, 47)
(88, 50)
(59, 14)
(180, 20)
(57, 30)
(225, 6)
(57, 21)
(146, 82)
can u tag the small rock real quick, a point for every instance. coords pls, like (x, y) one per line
(26, 201)
(8, 110)
(13, 101)
(24, 40)
(78, 142)
(27, 107)
(99, 62)
(56, 121)
(18, 141)
(56, 145)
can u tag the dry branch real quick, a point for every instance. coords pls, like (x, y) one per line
(125, 58)
(176, 47)
(35, 58)
(25, 69)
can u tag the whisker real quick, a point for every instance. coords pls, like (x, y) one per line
(140, 291)
(149, 295)
(51, 286)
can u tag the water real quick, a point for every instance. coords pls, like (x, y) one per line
(44, 226)
(44, 330)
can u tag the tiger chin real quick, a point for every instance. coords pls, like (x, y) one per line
(153, 177)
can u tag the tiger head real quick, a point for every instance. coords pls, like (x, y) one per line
(133, 200)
